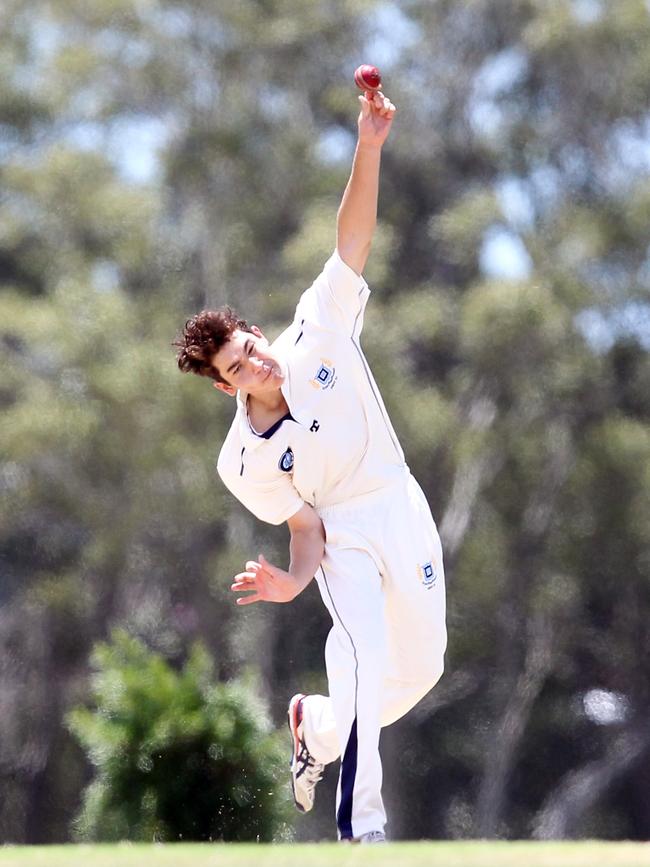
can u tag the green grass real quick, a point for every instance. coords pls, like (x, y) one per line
(462, 854)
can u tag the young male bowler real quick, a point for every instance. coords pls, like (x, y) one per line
(311, 444)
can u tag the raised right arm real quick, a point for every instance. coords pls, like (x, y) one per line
(357, 214)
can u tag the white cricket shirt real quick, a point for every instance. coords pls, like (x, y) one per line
(338, 442)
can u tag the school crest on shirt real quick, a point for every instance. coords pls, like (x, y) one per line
(286, 461)
(427, 575)
(325, 376)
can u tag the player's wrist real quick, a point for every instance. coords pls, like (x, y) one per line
(300, 581)
(369, 146)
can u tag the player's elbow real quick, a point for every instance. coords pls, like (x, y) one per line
(307, 520)
(311, 541)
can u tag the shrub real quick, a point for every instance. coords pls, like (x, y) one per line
(176, 756)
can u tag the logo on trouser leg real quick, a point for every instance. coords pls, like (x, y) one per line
(427, 575)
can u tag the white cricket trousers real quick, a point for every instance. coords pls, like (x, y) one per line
(382, 580)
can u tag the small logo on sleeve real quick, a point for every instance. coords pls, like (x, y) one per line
(286, 461)
(325, 376)
(427, 575)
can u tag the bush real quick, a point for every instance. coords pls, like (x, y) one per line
(176, 756)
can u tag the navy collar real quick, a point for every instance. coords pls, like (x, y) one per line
(269, 433)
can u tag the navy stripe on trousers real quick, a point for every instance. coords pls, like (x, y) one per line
(348, 776)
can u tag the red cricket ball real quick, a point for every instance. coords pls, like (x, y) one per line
(367, 77)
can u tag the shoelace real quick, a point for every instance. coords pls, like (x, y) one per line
(312, 769)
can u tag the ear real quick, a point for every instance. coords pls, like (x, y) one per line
(227, 389)
(257, 332)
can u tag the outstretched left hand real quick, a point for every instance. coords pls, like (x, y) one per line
(268, 583)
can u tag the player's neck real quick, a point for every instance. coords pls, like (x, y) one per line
(265, 409)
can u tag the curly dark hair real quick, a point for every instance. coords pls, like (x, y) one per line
(203, 335)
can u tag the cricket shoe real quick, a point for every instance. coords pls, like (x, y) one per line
(368, 837)
(305, 770)
(372, 837)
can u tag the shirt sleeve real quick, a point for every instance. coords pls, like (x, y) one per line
(272, 500)
(337, 298)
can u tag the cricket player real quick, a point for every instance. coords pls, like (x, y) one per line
(311, 444)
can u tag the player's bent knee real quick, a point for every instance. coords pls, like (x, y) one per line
(431, 670)
(436, 671)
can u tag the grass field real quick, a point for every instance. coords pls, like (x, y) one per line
(473, 854)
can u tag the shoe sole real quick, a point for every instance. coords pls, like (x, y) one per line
(292, 722)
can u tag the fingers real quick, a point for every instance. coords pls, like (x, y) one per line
(248, 600)
(270, 571)
(244, 579)
(245, 582)
(383, 105)
(259, 565)
(251, 581)
(376, 103)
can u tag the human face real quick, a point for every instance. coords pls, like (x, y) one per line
(246, 362)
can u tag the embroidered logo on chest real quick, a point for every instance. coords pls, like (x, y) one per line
(286, 461)
(427, 575)
(325, 377)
